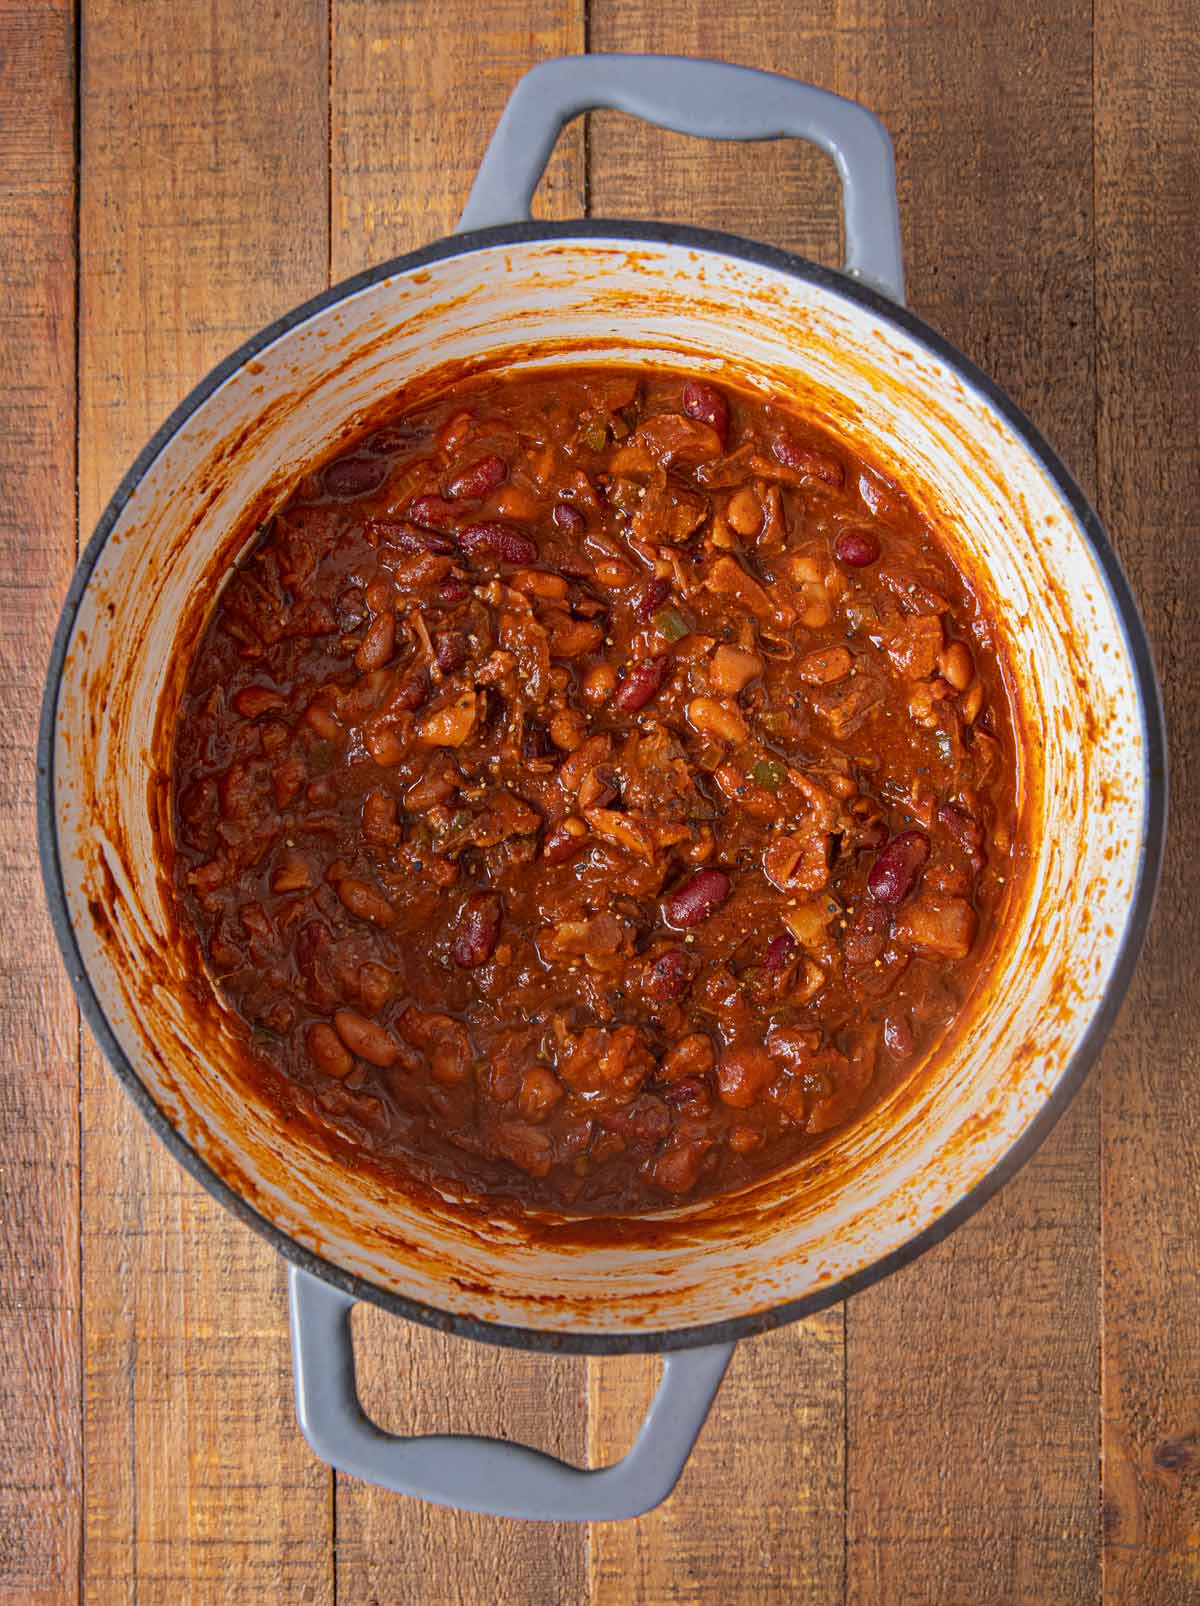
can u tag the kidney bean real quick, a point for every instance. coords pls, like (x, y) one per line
(569, 519)
(495, 540)
(670, 976)
(641, 684)
(898, 1036)
(451, 592)
(327, 1051)
(856, 548)
(480, 477)
(808, 461)
(435, 513)
(691, 1096)
(706, 403)
(963, 827)
(354, 476)
(408, 537)
(779, 952)
(366, 1038)
(379, 643)
(896, 869)
(697, 899)
(450, 650)
(652, 598)
(478, 930)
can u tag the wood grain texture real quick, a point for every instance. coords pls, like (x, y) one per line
(973, 1375)
(410, 121)
(40, 1439)
(757, 1515)
(1148, 244)
(204, 213)
(759, 1511)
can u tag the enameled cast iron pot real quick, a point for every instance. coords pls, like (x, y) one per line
(695, 1279)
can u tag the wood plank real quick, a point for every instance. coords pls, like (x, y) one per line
(759, 1511)
(409, 124)
(41, 1467)
(757, 1514)
(1148, 238)
(204, 214)
(972, 1403)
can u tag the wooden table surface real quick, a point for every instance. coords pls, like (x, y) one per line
(1016, 1417)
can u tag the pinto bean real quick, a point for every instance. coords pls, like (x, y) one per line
(568, 729)
(362, 900)
(599, 684)
(744, 511)
(895, 871)
(956, 665)
(474, 482)
(379, 643)
(825, 667)
(323, 720)
(327, 1051)
(731, 670)
(478, 930)
(574, 638)
(712, 718)
(643, 683)
(698, 898)
(540, 1092)
(366, 1038)
(614, 574)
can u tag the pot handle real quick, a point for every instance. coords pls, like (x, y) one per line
(478, 1474)
(711, 99)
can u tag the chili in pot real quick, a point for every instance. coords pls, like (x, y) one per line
(593, 787)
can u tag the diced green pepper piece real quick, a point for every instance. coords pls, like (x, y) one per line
(776, 721)
(769, 772)
(595, 436)
(671, 623)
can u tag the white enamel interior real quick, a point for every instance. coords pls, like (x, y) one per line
(880, 1182)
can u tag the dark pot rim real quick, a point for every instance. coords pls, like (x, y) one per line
(1154, 760)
